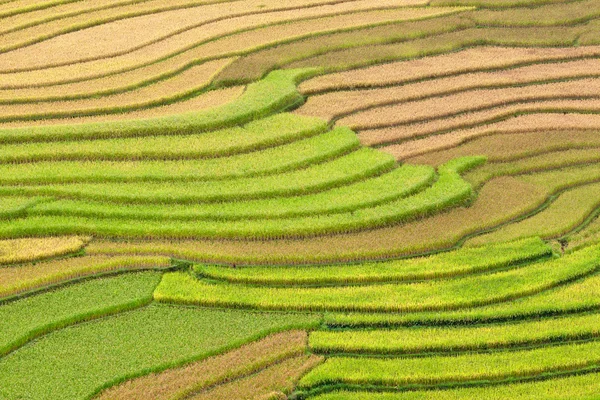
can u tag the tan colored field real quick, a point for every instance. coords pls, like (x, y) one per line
(568, 211)
(116, 37)
(455, 39)
(14, 6)
(271, 383)
(502, 146)
(474, 59)
(24, 250)
(123, 82)
(176, 383)
(23, 20)
(339, 103)
(208, 99)
(49, 22)
(193, 79)
(194, 38)
(17, 279)
(468, 101)
(535, 163)
(522, 123)
(291, 55)
(475, 119)
(591, 36)
(498, 201)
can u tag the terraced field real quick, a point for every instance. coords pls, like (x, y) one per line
(308, 199)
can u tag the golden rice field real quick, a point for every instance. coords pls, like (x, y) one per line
(301, 199)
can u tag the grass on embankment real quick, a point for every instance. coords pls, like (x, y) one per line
(448, 294)
(455, 263)
(495, 366)
(131, 344)
(31, 317)
(453, 339)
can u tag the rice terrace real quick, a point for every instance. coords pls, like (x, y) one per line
(299, 199)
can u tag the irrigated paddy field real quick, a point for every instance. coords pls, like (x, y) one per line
(300, 199)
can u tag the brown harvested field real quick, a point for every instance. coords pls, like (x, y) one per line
(201, 39)
(498, 201)
(61, 18)
(253, 66)
(271, 35)
(122, 82)
(468, 101)
(336, 104)
(566, 213)
(22, 278)
(21, 21)
(523, 123)
(196, 52)
(25, 250)
(478, 120)
(501, 146)
(199, 44)
(461, 62)
(535, 163)
(12, 6)
(175, 383)
(111, 84)
(122, 35)
(208, 99)
(193, 79)
(274, 382)
(547, 14)
(442, 43)
(102, 40)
